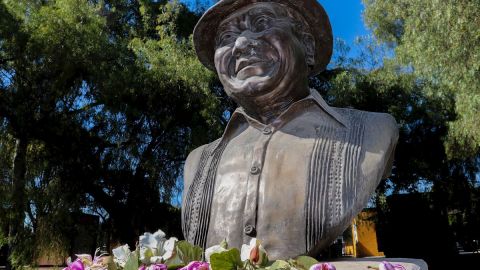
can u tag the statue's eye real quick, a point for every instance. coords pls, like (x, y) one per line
(261, 23)
(226, 38)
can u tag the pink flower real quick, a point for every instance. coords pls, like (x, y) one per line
(196, 265)
(157, 266)
(388, 266)
(323, 266)
(76, 265)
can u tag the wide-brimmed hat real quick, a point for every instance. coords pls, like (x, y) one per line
(313, 13)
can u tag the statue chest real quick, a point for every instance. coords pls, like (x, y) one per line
(294, 188)
(260, 189)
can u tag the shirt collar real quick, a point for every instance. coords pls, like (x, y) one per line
(240, 114)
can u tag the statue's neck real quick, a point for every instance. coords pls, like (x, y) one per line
(267, 108)
(267, 113)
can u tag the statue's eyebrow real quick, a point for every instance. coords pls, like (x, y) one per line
(233, 24)
(262, 11)
(228, 27)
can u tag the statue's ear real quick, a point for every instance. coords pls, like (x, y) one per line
(309, 44)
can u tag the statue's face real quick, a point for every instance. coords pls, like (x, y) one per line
(257, 52)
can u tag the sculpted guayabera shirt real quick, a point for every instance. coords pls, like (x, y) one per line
(294, 184)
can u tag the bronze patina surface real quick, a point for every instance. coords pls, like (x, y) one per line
(289, 169)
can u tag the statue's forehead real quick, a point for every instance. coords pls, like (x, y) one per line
(252, 10)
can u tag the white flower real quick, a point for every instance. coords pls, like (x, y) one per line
(153, 241)
(155, 248)
(168, 248)
(246, 249)
(254, 252)
(151, 245)
(121, 255)
(156, 259)
(212, 250)
(146, 253)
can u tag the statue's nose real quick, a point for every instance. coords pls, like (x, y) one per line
(241, 44)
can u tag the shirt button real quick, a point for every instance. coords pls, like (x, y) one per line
(255, 170)
(249, 230)
(267, 131)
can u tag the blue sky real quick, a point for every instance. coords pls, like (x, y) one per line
(346, 18)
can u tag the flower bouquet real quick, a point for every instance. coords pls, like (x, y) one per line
(156, 252)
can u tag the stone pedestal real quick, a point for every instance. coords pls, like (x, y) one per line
(364, 263)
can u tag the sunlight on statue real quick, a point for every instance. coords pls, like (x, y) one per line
(289, 169)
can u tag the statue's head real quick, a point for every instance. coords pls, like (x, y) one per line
(264, 48)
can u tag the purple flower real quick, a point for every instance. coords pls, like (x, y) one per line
(76, 265)
(196, 265)
(142, 267)
(157, 266)
(323, 266)
(388, 266)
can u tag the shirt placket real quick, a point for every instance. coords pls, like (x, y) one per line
(256, 167)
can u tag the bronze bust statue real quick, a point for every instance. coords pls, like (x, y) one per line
(289, 169)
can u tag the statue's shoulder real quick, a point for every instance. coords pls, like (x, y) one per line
(383, 128)
(380, 136)
(191, 165)
(377, 126)
(193, 160)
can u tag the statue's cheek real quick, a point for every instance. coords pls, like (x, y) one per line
(224, 59)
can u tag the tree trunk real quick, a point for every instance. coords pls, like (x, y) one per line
(17, 214)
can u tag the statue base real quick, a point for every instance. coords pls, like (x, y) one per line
(373, 262)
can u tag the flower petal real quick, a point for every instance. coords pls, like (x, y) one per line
(76, 265)
(145, 254)
(157, 266)
(121, 254)
(168, 248)
(212, 250)
(156, 259)
(148, 240)
(386, 266)
(196, 265)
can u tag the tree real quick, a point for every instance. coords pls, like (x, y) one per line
(105, 98)
(440, 42)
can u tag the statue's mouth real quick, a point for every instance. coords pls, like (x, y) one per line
(243, 63)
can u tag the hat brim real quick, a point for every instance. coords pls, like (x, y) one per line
(313, 13)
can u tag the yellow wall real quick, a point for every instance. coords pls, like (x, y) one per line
(367, 235)
(364, 235)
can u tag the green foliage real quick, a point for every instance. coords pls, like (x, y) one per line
(186, 253)
(440, 41)
(109, 97)
(132, 262)
(226, 260)
(280, 265)
(304, 262)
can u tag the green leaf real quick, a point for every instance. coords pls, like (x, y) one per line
(224, 244)
(280, 265)
(226, 260)
(304, 262)
(187, 252)
(132, 262)
(175, 266)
